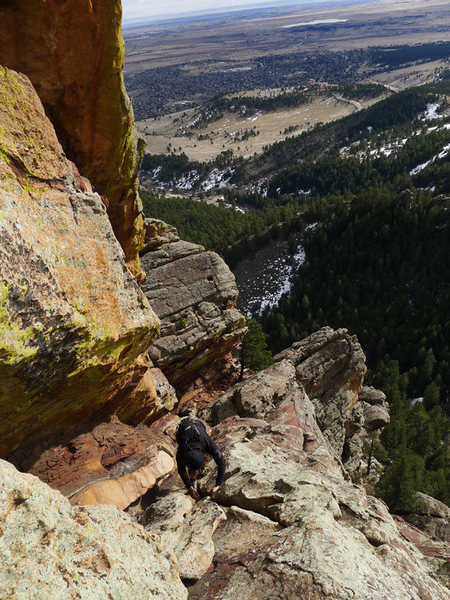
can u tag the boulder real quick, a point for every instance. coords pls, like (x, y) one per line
(73, 53)
(372, 396)
(194, 294)
(158, 234)
(375, 417)
(74, 322)
(49, 549)
(186, 528)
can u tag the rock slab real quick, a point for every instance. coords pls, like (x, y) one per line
(194, 294)
(49, 549)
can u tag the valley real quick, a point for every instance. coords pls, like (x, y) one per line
(281, 154)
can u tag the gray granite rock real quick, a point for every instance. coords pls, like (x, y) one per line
(430, 515)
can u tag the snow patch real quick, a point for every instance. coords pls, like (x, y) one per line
(421, 167)
(431, 112)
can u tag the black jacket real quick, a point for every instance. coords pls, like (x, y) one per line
(205, 445)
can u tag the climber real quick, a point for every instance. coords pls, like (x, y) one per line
(193, 442)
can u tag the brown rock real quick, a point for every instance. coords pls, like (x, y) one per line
(331, 366)
(194, 294)
(73, 320)
(73, 53)
(435, 551)
(112, 464)
(375, 417)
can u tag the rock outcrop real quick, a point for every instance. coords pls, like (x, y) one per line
(49, 549)
(112, 464)
(73, 53)
(331, 366)
(431, 516)
(296, 527)
(194, 294)
(73, 319)
(375, 408)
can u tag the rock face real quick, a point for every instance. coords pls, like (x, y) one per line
(331, 366)
(113, 464)
(73, 320)
(296, 528)
(194, 294)
(49, 549)
(73, 53)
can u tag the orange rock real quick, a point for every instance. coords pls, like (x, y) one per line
(73, 321)
(73, 53)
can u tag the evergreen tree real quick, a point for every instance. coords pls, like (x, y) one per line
(254, 352)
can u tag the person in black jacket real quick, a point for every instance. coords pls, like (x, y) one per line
(193, 442)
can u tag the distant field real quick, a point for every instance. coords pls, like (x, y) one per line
(173, 69)
(271, 127)
(231, 38)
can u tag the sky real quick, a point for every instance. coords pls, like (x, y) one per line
(136, 9)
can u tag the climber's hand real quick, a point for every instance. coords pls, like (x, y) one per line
(215, 488)
(193, 493)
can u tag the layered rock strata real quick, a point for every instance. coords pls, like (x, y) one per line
(49, 549)
(73, 319)
(330, 366)
(194, 294)
(112, 464)
(73, 53)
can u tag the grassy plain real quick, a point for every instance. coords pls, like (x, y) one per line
(224, 133)
(233, 42)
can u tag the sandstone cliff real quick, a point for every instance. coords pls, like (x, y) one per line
(73, 53)
(73, 319)
(79, 397)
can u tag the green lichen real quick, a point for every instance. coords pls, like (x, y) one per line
(15, 341)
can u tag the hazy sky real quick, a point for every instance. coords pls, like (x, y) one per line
(134, 9)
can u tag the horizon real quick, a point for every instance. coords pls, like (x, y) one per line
(141, 10)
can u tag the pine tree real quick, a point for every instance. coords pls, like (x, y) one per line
(254, 352)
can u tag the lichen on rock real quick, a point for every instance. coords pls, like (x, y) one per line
(49, 549)
(73, 53)
(73, 319)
